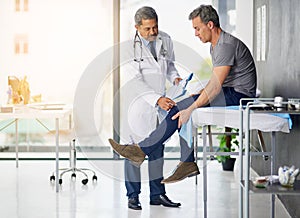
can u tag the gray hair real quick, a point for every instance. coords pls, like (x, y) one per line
(206, 13)
(145, 13)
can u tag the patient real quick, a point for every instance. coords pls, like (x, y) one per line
(233, 77)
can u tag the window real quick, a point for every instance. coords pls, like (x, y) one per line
(21, 44)
(21, 5)
(53, 51)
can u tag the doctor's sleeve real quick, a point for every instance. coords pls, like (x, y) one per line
(172, 72)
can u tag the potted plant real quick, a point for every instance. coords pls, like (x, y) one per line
(228, 143)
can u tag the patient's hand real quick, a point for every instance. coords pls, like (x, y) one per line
(183, 116)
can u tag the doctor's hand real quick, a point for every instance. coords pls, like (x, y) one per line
(177, 80)
(183, 116)
(165, 103)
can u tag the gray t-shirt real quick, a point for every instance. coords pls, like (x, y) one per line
(230, 51)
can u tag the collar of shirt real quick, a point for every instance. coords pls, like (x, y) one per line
(147, 43)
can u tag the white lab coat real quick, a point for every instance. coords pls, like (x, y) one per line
(145, 85)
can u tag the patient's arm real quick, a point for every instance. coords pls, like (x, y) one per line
(211, 90)
(213, 87)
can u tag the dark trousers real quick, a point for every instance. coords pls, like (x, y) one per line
(227, 97)
(155, 170)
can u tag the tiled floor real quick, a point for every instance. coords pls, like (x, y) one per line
(26, 192)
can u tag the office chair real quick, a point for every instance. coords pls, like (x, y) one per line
(73, 169)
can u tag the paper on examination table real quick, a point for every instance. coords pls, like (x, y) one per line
(186, 130)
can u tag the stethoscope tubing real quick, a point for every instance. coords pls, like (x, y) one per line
(137, 40)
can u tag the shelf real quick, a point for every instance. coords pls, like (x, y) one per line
(275, 188)
(263, 106)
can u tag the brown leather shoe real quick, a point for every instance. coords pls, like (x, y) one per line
(132, 152)
(183, 170)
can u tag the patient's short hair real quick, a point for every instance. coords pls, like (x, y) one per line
(206, 13)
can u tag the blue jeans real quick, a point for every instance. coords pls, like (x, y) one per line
(155, 170)
(227, 97)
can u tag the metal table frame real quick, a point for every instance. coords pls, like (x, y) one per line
(29, 113)
(247, 153)
(245, 181)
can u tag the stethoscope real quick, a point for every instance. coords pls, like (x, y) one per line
(138, 44)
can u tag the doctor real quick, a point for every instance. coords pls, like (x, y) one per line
(144, 103)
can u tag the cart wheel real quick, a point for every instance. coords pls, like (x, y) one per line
(85, 181)
(60, 181)
(94, 178)
(73, 175)
(52, 178)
